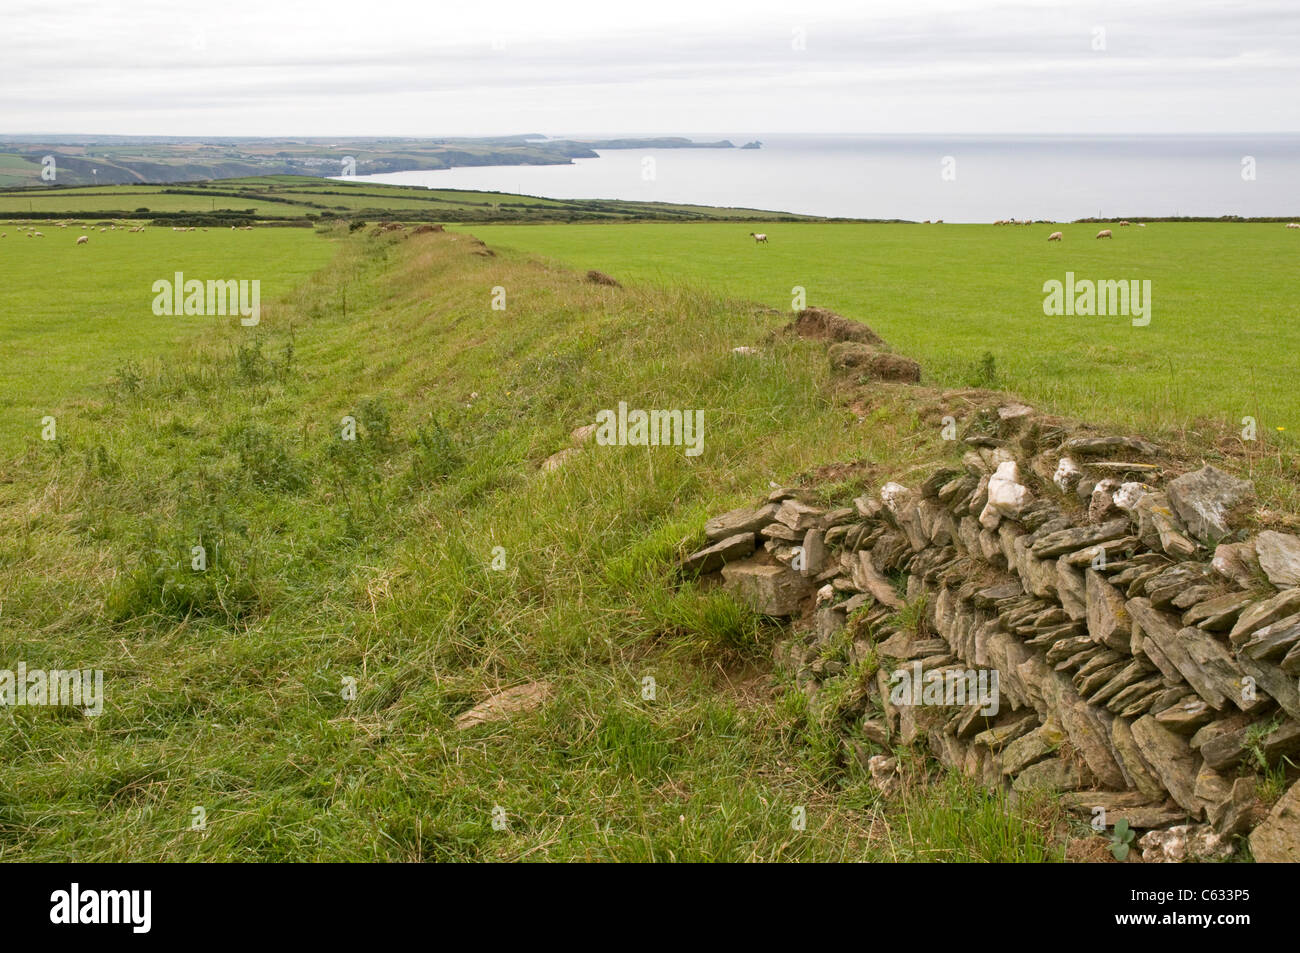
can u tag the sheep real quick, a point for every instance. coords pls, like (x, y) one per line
(39, 234)
(760, 238)
(1105, 233)
(1141, 225)
(1293, 225)
(1123, 224)
(1055, 237)
(82, 240)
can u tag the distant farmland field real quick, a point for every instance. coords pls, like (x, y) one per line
(293, 197)
(71, 317)
(1221, 344)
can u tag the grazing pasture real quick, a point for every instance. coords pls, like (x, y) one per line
(73, 317)
(425, 566)
(1222, 342)
(295, 197)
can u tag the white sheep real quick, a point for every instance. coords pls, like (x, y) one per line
(1055, 237)
(1123, 224)
(1293, 225)
(82, 240)
(1105, 233)
(760, 238)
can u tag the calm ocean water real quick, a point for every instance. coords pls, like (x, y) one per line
(988, 178)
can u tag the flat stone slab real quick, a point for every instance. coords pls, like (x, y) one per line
(742, 520)
(1085, 446)
(504, 704)
(712, 558)
(1078, 537)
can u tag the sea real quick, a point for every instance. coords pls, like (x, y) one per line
(935, 177)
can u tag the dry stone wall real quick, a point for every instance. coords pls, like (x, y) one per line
(1058, 611)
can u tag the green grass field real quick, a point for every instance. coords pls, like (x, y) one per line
(1221, 344)
(371, 562)
(71, 317)
(294, 197)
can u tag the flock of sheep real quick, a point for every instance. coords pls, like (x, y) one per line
(1106, 232)
(84, 239)
(760, 238)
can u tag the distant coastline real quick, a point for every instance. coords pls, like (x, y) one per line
(128, 160)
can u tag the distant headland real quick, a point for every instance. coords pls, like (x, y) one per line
(126, 160)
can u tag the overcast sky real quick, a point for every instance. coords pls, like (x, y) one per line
(557, 67)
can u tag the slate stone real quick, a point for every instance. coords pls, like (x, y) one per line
(1186, 717)
(1090, 446)
(1225, 749)
(1219, 613)
(1273, 641)
(1277, 840)
(1279, 557)
(1109, 622)
(1172, 761)
(1255, 617)
(799, 516)
(1208, 501)
(743, 520)
(869, 579)
(1088, 729)
(1272, 681)
(1053, 774)
(1071, 540)
(1136, 771)
(712, 558)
